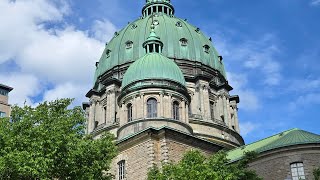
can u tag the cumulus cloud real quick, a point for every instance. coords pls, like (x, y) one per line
(248, 127)
(103, 30)
(315, 2)
(67, 90)
(47, 50)
(254, 54)
(305, 100)
(248, 98)
(25, 87)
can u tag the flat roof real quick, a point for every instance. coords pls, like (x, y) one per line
(8, 88)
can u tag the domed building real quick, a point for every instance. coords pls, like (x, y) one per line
(161, 88)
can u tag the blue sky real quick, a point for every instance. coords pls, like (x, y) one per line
(271, 51)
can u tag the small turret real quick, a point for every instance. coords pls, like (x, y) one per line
(157, 6)
(153, 43)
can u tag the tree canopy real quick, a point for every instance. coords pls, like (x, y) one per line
(49, 142)
(195, 165)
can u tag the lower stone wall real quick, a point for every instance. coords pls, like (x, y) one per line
(276, 165)
(137, 161)
(177, 150)
(143, 151)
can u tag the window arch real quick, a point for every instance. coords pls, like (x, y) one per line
(122, 169)
(152, 108)
(206, 49)
(129, 112)
(183, 42)
(212, 110)
(297, 171)
(129, 44)
(176, 110)
(108, 51)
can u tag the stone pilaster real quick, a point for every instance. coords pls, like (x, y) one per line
(164, 151)
(183, 112)
(161, 108)
(92, 115)
(151, 154)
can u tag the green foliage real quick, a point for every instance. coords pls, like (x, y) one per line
(195, 165)
(49, 142)
(316, 173)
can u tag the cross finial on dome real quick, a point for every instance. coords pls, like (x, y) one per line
(153, 42)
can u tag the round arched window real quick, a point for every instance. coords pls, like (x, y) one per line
(175, 110)
(152, 108)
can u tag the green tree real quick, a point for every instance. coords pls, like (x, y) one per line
(316, 173)
(49, 142)
(195, 165)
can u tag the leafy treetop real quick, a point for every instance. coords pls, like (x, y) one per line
(49, 142)
(195, 165)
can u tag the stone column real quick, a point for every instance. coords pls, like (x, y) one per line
(228, 114)
(169, 107)
(236, 120)
(92, 115)
(122, 114)
(225, 109)
(161, 108)
(143, 104)
(206, 103)
(113, 105)
(183, 112)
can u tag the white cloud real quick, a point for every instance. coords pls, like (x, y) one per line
(247, 127)
(60, 55)
(64, 55)
(315, 2)
(258, 54)
(25, 87)
(305, 100)
(103, 30)
(248, 98)
(67, 90)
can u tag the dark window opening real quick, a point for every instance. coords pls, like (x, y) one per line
(189, 110)
(154, 9)
(157, 48)
(150, 48)
(129, 109)
(165, 10)
(183, 42)
(149, 11)
(206, 48)
(129, 44)
(222, 118)
(160, 9)
(96, 123)
(121, 169)
(152, 108)
(212, 110)
(108, 51)
(175, 111)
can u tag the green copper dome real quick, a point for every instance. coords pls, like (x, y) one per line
(180, 39)
(152, 66)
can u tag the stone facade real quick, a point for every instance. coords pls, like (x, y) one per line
(204, 112)
(275, 164)
(154, 147)
(159, 105)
